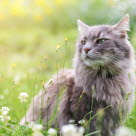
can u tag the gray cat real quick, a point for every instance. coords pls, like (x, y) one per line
(100, 88)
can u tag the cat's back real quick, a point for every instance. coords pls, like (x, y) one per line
(55, 92)
(59, 83)
(63, 77)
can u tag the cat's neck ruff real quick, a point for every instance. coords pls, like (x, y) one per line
(107, 86)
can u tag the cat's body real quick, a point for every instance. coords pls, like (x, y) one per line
(96, 83)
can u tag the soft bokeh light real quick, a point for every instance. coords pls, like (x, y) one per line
(33, 29)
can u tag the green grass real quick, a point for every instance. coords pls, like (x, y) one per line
(26, 40)
(23, 55)
(29, 63)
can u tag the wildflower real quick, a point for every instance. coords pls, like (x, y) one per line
(68, 130)
(4, 118)
(5, 110)
(52, 132)
(58, 47)
(66, 39)
(36, 130)
(81, 122)
(37, 127)
(31, 124)
(125, 131)
(71, 121)
(23, 97)
(72, 130)
(81, 130)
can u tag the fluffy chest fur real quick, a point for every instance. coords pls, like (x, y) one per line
(104, 87)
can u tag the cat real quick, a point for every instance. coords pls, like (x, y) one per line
(100, 87)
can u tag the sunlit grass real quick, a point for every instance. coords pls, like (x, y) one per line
(37, 39)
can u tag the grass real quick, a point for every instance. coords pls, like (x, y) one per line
(29, 64)
(28, 60)
(32, 47)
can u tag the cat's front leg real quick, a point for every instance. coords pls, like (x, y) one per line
(109, 122)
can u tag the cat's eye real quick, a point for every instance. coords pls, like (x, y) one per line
(83, 42)
(100, 41)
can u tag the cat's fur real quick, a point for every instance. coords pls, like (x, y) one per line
(102, 78)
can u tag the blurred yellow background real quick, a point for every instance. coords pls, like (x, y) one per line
(37, 38)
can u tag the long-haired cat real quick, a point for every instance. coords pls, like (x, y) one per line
(100, 88)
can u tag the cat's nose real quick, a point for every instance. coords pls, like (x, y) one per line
(87, 50)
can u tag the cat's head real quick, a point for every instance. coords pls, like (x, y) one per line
(104, 45)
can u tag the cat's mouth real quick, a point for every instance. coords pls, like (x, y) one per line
(93, 57)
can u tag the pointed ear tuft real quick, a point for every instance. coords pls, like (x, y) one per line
(82, 27)
(123, 24)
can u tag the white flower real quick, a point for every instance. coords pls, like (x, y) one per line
(71, 121)
(4, 118)
(37, 133)
(37, 127)
(4, 113)
(81, 130)
(125, 131)
(31, 124)
(5, 110)
(81, 122)
(67, 130)
(52, 132)
(36, 130)
(23, 97)
(72, 130)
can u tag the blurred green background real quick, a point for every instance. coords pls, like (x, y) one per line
(33, 36)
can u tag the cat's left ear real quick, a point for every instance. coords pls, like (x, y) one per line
(82, 27)
(123, 25)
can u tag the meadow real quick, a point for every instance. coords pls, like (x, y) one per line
(33, 38)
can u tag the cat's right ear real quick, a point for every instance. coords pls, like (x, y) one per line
(82, 27)
(123, 25)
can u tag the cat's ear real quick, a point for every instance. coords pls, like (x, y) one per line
(123, 25)
(82, 27)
